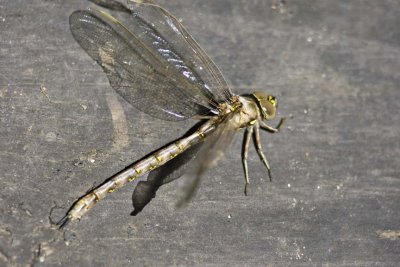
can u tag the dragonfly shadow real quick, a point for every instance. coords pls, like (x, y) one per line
(145, 191)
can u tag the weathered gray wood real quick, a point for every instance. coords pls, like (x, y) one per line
(334, 201)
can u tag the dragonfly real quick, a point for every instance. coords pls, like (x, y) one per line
(157, 67)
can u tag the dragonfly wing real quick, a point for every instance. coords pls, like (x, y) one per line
(176, 167)
(135, 70)
(210, 153)
(208, 77)
(112, 5)
(192, 164)
(145, 191)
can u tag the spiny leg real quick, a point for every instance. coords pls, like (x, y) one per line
(271, 129)
(259, 149)
(245, 152)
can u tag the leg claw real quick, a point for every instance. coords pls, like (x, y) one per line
(245, 188)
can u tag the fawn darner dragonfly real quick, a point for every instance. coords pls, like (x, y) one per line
(156, 66)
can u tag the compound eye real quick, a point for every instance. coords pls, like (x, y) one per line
(272, 100)
(267, 104)
(269, 108)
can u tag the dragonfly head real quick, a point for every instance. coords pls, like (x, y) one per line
(267, 104)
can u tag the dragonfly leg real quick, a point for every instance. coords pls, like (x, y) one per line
(245, 152)
(259, 149)
(271, 129)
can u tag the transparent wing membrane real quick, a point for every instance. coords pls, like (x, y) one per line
(145, 191)
(127, 66)
(154, 70)
(212, 150)
(211, 79)
(112, 5)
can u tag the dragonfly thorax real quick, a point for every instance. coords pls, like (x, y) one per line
(246, 111)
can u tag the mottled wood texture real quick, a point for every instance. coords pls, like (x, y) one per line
(334, 201)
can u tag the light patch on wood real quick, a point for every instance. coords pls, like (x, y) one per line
(121, 138)
(389, 234)
(107, 60)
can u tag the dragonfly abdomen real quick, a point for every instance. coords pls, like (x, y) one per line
(138, 169)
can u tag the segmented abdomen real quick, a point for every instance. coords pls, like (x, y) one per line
(145, 165)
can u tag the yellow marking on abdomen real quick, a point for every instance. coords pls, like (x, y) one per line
(201, 134)
(180, 147)
(134, 177)
(138, 171)
(159, 159)
(111, 190)
(96, 197)
(152, 167)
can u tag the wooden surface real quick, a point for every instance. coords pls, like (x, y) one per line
(334, 201)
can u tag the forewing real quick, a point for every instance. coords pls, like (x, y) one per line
(112, 5)
(136, 71)
(202, 70)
